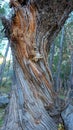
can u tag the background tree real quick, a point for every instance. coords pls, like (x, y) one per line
(60, 60)
(52, 52)
(3, 64)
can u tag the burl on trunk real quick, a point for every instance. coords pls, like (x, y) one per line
(32, 27)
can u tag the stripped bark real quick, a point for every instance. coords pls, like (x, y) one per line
(32, 93)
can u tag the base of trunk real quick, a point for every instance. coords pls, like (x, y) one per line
(23, 118)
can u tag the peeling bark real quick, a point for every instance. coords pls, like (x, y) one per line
(31, 26)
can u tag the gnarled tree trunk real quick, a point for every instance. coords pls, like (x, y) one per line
(33, 24)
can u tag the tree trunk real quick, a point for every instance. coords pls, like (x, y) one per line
(30, 28)
(2, 67)
(52, 51)
(60, 60)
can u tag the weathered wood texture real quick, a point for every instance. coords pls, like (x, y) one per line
(31, 26)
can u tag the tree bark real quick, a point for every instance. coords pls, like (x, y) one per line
(30, 28)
